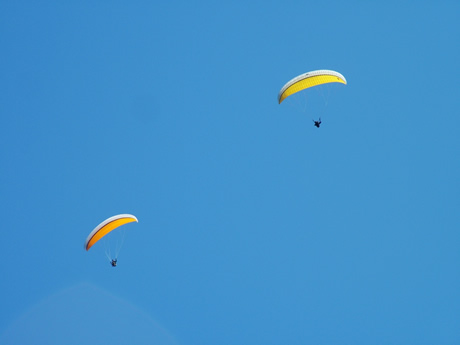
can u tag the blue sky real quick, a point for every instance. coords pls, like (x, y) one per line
(255, 227)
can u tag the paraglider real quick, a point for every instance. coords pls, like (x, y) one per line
(104, 229)
(308, 80)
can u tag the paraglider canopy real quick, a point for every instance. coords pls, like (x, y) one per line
(107, 226)
(307, 80)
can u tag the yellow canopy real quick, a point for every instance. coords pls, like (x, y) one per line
(106, 226)
(307, 80)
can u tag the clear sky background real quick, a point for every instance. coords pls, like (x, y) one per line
(255, 227)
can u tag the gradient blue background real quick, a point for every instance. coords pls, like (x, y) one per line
(254, 226)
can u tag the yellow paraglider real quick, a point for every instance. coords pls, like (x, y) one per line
(107, 226)
(309, 79)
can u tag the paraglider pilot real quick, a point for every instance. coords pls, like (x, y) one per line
(317, 123)
(114, 263)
